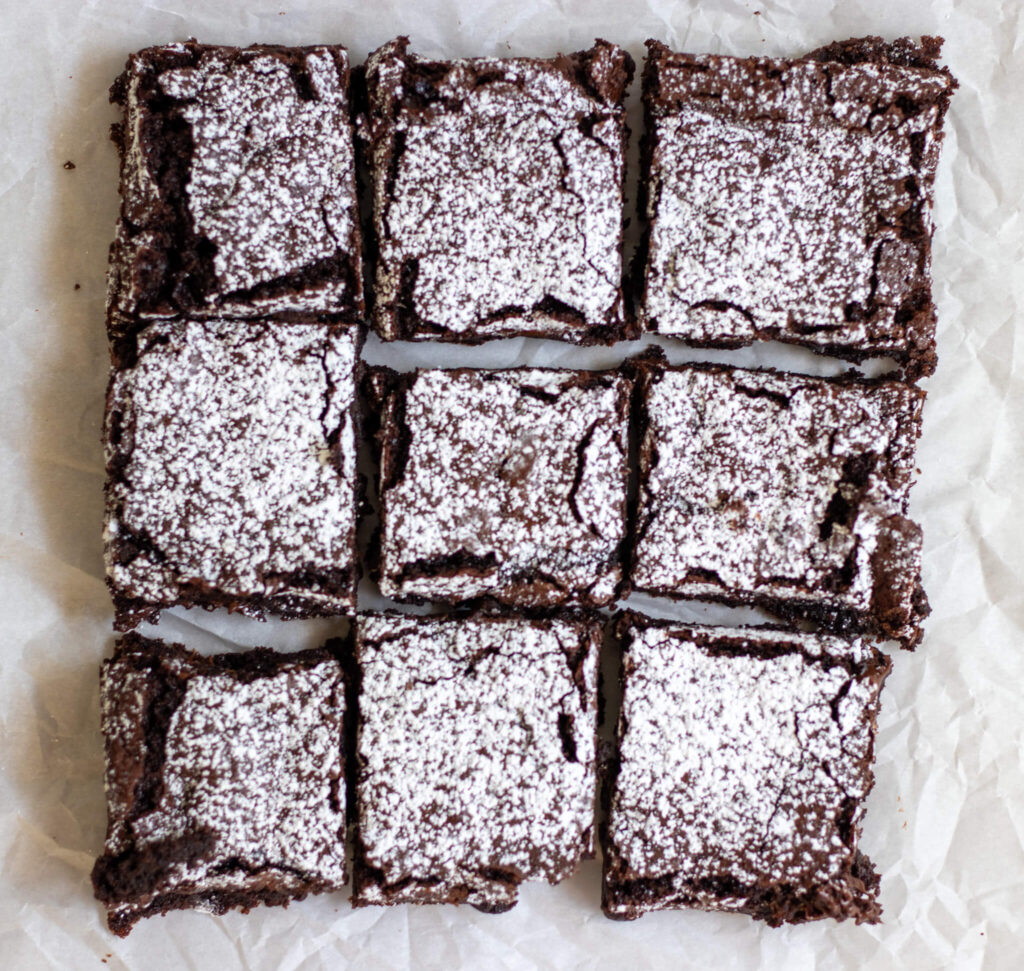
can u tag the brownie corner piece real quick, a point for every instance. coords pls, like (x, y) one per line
(475, 755)
(224, 779)
(783, 491)
(744, 759)
(238, 185)
(231, 469)
(498, 195)
(507, 485)
(791, 199)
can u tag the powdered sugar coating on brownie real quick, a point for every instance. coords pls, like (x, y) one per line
(759, 485)
(502, 185)
(254, 765)
(513, 485)
(742, 776)
(231, 450)
(476, 751)
(270, 180)
(792, 199)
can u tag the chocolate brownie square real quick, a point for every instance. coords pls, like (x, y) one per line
(782, 491)
(238, 185)
(231, 469)
(498, 195)
(224, 779)
(505, 484)
(744, 761)
(791, 200)
(475, 755)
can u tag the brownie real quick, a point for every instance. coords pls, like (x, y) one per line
(238, 185)
(475, 755)
(744, 759)
(231, 469)
(498, 195)
(507, 484)
(782, 491)
(791, 200)
(224, 779)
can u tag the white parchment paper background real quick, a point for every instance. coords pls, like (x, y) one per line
(945, 821)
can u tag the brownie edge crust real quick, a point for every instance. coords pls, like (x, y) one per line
(224, 779)
(744, 759)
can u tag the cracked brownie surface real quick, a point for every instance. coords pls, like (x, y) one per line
(791, 199)
(224, 779)
(475, 755)
(503, 484)
(498, 194)
(231, 464)
(744, 761)
(784, 491)
(237, 184)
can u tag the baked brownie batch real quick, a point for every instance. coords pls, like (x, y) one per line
(781, 199)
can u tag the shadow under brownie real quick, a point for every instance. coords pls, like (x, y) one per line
(498, 195)
(475, 755)
(744, 759)
(790, 199)
(224, 779)
(237, 183)
(231, 470)
(782, 491)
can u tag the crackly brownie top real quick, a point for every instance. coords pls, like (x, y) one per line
(268, 171)
(769, 483)
(498, 192)
(221, 772)
(509, 483)
(793, 196)
(231, 460)
(476, 751)
(744, 759)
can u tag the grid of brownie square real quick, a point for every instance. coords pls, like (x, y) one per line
(744, 761)
(475, 756)
(791, 199)
(497, 195)
(238, 185)
(508, 485)
(224, 779)
(783, 491)
(231, 464)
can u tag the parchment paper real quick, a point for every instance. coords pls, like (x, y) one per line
(945, 821)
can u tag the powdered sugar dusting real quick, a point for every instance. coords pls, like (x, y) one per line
(235, 465)
(761, 484)
(778, 194)
(465, 778)
(525, 466)
(738, 770)
(257, 765)
(506, 191)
